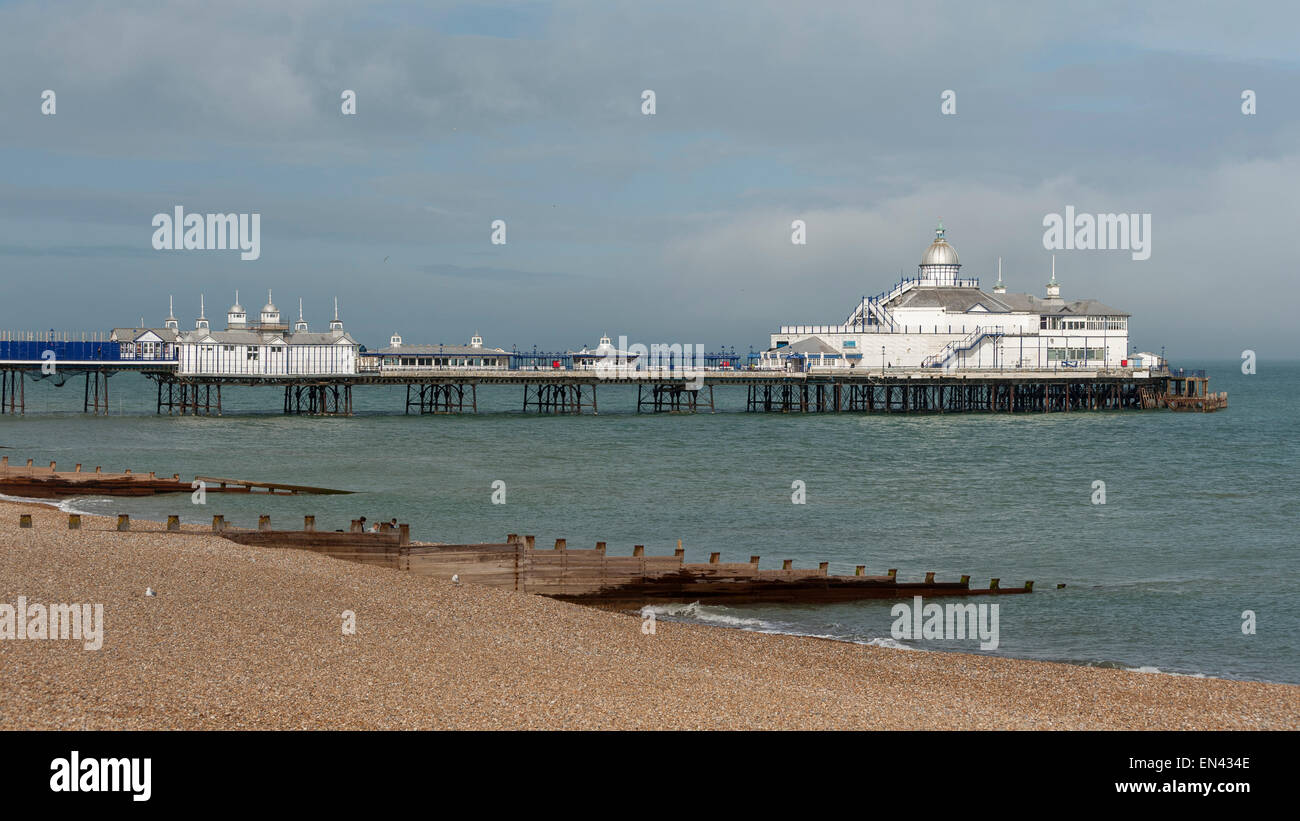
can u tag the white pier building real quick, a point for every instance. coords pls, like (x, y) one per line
(940, 320)
(265, 348)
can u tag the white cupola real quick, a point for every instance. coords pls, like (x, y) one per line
(395, 341)
(999, 288)
(939, 264)
(235, 317)
(336, 324)
(270, 313)
(170, 321)
(476, 341)
(300, 326)
(201, 324)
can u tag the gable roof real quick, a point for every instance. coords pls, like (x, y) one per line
(808, 345)
(133, 334)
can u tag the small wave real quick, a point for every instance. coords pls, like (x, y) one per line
(709, 614)
(885, 641)
(72, 505)
(1149, 669)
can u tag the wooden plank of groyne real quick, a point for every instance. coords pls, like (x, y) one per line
(272, 487)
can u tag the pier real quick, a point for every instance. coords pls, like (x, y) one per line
(568, 388)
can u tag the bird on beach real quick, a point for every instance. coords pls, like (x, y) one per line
(148, 591)
(455, 578)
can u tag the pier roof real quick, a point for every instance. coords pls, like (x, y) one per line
(1082, 307)
(439, 350)
(256, 337)
(132, 334)
(952, 300)
(812, 344)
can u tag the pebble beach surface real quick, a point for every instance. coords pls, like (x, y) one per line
(242, 637)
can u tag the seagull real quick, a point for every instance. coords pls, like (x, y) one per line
(148, 591)
(455, 578)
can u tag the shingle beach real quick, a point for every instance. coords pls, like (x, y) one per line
(241, 637)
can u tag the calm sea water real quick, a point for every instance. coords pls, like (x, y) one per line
(1199, 523)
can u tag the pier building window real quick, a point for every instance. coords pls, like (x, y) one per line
(251, 353)
(1072, 354)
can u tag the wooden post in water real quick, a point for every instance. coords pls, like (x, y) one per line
(264, 522)
(218, 524)
(787, 564)
(638, 550)
(309, 524)
(123, 521)
(173, 523)
(74, 521)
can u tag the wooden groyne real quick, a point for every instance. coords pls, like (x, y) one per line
(591, 576)
(40, 482)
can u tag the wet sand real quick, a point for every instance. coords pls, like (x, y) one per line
(251, 638)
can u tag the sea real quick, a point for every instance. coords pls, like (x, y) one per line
(1186, 564)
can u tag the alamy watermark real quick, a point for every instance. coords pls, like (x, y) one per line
(929, 622)
(655, 361)
(1098, 232)
(179, 231)
(54, 622)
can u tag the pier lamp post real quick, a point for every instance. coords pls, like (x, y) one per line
(882, 360)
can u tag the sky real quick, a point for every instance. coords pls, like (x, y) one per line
(671, 227)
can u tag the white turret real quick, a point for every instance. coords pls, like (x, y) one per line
(999, 288)
(336, 324)
(235, 317)
(270, 313)
(170, 321)
(395, 341)
(301, 325)
(476, 341)
(1053, 288)
(201, 324)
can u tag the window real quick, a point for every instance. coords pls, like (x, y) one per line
(1075, 354)
(251, 354)
(277, 349)
(851, 343)
(228, 348)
